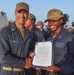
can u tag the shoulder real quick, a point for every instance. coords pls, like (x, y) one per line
(36, 30)
(67, 34)
(3, 26)
(5, 30)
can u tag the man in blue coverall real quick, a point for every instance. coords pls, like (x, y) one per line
(36, 36)
(15, 42)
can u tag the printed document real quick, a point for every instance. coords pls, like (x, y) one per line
(43, 51)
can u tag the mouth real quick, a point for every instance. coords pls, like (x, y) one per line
(52, 27)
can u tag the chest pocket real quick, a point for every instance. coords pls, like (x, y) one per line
(60, 51)
(14, 40)
(59, 44)
(60, 48)
(14, 43)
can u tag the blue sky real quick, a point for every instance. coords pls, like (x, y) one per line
(39, 8)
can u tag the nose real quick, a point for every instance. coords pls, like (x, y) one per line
(22, 14)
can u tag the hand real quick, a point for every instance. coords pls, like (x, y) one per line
(28, 63)
(52, 69)
(38, 69)
(32, 55)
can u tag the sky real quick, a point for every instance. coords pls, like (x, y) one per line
(39, 8)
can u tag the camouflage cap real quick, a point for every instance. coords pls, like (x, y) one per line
(40, 23)
(22, 5)
(54, 14)
(31, 16)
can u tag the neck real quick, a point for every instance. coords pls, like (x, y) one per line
(20, 26)
(55, 33)
(30, 28)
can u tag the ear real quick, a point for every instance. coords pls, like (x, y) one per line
(33, 21)
(61, 20)
(15, 13)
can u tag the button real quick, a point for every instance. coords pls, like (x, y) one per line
(13, 40)
(64, 59)
(12, 29)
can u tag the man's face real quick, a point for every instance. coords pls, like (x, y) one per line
(28, 23)
(54, 25)
(21, 16)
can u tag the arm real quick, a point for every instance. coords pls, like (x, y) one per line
(69, 67)
(9, 59)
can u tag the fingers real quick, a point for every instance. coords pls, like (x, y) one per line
(28, 63)
(38, 69)
(28, 60)
(47, 69)
(52, 69)
(32, 55)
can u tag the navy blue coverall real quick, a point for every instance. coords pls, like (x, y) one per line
(15, 50)
(63, 52)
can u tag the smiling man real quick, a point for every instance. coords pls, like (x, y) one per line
(15, 43)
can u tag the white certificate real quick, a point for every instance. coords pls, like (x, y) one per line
(43, 51)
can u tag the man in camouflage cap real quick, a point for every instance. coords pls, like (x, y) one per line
(40, 25)
(35, 32)
(63, 60)
(30, 22)
(36, 36)
(14, 42)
